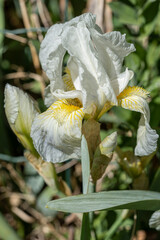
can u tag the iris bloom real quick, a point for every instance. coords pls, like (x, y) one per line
(93, 82)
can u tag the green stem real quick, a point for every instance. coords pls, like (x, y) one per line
(116, 224)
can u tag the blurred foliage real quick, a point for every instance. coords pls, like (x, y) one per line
(22, 191)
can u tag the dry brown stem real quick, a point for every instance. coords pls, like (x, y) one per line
(42, 14)
(16, 38)
(97, 7)
(108, 24)
(30, 35)
(24, 75)
(36, 24)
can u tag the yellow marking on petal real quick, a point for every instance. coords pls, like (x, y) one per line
(132, 98)
(63, 111)
(130, 91)
(68, 80)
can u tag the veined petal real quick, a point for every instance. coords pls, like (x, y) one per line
(56, 133)
(134, 98)
(108, 145)
(20, 111)
(52, 53)
(112, 48)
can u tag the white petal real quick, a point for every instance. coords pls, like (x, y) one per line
(146, 139)
(60, 94)
(73, 67)
(52, 53)
(112, 48)
(56, 133)
(11, 102)
(94, 80)
(121, 82)
(20, 111)
(19, 107)
(108, 145)
(154, 221)
(134, 98)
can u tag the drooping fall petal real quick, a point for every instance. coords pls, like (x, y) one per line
(56, 133)
(135, 99)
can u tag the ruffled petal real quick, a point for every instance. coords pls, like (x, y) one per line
(20, 111)
(52, 53)
(112, 48)
(56, 133)
(146, 138)
(135, 99)
(93, 79)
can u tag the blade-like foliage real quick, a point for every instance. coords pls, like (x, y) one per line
(131, 199)
(85, 164)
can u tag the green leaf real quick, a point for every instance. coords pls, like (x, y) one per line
(85, 164)
(125, 13)
(85, 159)
(85, 232)
(153, 52)
(6, 232)
(151, 10)
(139, 200)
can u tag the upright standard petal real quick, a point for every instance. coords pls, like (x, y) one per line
(20, 111)
(135, 99)
(93, 78)
(112, 48)
(52, 53)
(51, 57)
(56, 133)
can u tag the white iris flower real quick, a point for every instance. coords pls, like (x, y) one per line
(94, 81)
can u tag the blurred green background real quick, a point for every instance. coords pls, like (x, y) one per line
(22, 191)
